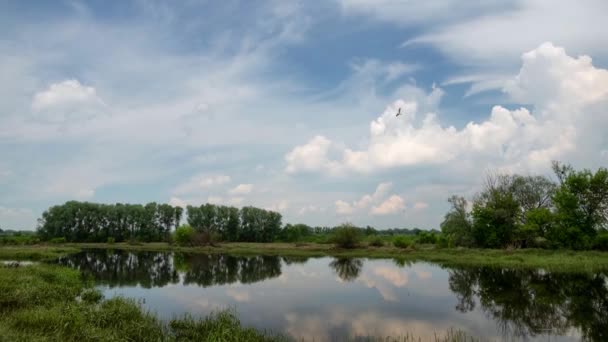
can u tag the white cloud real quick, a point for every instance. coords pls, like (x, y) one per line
(567, 93)
(178, 202)
(66, 100)
(313, 156)
(392, 205)
(200, 183)
(344, 208)
(499, 37)
(382, 204)
(241, 189)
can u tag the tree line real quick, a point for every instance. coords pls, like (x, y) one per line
(94, 222)
(533, 211)
(232, 224)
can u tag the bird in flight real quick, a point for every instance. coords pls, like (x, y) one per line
(398, 112)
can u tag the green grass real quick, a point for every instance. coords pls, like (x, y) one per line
(34, 252)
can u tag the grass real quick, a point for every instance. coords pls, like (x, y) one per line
(35, 252)
(51, 303)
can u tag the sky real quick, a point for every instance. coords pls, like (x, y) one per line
(290, 105)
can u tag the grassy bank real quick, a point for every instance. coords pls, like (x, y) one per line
(555, 260)
(51, 303)
(35, 252)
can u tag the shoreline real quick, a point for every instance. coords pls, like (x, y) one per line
(553, 260)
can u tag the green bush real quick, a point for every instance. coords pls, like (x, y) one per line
(426, 238)
(346, 236)
(601, 242)
(57, 240)
(184, 235)
(111, 240)
(376, 242)
(402, 242)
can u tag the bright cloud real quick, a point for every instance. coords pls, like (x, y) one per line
(378, 202)
(562, 89)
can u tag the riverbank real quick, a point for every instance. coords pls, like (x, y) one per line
(554, 260)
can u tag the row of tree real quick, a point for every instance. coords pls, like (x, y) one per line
(93, 222)
(534, 211)
(233, 224)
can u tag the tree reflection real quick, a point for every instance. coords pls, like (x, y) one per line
(532, 302)
(154, 269)
(348, 269)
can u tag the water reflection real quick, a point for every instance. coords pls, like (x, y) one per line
(347, 269)
(334, 298)
(156, 269)
(532, 302)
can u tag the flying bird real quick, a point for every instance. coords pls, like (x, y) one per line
(398, 112)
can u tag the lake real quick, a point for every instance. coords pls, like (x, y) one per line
(333, 298)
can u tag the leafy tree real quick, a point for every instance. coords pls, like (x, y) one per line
(457, 225)
(581, 204)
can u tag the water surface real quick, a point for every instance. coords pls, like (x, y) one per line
(333, 298)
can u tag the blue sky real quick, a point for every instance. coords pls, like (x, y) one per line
(289, 105)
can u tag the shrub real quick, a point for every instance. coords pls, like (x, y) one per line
(601, 242)
(184, 235)
(402, 242)
(444, 241)
(376, 242)
(57, 240)
(427, 237)
(346, 236)
(111, 240)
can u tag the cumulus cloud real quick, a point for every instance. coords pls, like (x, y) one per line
(66, 99)
(344, 208)
(312, 156)
(567, 94)
(241, 189)
(392, 205)
(379, 203)
(201, 182)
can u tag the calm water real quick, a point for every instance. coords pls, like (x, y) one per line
(329, 298)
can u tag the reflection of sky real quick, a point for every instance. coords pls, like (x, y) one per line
(310, 301)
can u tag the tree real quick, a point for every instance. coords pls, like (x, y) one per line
(457, 224)
(581, 203)
(496, 213)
